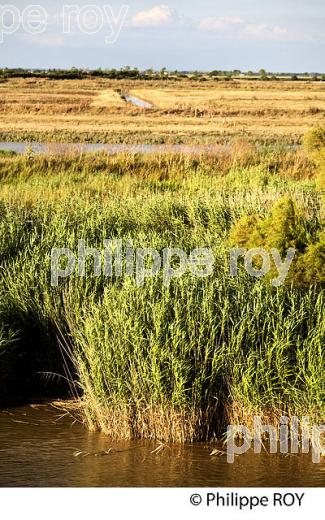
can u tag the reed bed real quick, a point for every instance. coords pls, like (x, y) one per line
(174, 363)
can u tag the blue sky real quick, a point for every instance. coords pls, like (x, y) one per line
(278, 35)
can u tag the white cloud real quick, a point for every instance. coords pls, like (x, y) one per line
(158, 16)
(262, 30)
(234, 26)
(258, 29)
(219, 23)
(280, 30)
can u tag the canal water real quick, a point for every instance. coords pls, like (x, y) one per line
(39, 447)
(137, 102)
(58, 148)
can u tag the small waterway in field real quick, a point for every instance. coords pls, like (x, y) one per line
(41, 448)
(136, 101)
(60, 148)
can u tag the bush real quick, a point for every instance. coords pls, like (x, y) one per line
(311, 265)
(286, 228)
(314, 142)
(282, 229)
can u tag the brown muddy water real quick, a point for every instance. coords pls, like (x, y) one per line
(40, 448)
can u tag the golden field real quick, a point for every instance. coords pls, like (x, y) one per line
(209, 112)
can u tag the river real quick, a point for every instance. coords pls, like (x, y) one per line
(40, 448)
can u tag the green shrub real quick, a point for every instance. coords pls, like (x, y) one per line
(314, 139)
(283, 229)
(314, 142)
(311, 265)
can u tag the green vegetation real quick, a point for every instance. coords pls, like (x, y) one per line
(172, 363)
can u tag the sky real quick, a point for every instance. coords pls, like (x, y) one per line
(277, 35)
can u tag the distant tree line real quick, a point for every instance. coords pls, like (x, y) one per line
(151, 74)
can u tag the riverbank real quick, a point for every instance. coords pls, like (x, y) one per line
(174, 363)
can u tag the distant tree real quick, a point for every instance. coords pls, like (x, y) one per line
(262, 73)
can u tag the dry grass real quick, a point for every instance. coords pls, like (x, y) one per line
(153, 423)
(239, 100)
(108, 98)
(188, 112)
